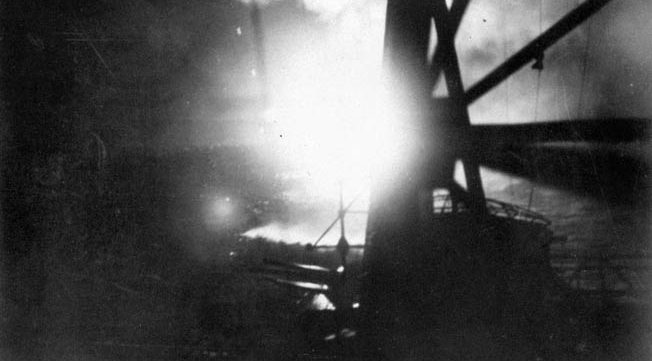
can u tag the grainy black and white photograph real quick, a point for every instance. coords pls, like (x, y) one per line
(364, 180)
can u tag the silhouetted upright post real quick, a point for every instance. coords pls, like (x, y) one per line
(394, 205)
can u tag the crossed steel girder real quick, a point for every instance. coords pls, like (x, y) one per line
(407, 34)
(449, 20)
(395, 217)
(446, 26)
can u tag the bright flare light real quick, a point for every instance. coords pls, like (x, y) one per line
(332, 120)
(329, 114)
(222, 212)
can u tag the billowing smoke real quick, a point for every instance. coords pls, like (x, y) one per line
(309, 231)
(326, 9)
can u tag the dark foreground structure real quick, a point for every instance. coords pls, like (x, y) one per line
(490, 274)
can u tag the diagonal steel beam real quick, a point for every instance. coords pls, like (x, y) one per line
(449, 61)
(446, 29)
(455, 14)
(534, 49)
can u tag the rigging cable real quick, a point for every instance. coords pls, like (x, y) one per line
(510, 178)
(538, 66)
(585, 56)
(536, 119)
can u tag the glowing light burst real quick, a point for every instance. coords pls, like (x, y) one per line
(222, 212)
(331, 143)
(328, 110)
(332, 119)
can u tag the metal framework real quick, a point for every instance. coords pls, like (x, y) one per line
(394, 212)
(406, 41)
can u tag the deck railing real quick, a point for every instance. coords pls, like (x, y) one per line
(443, 204)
